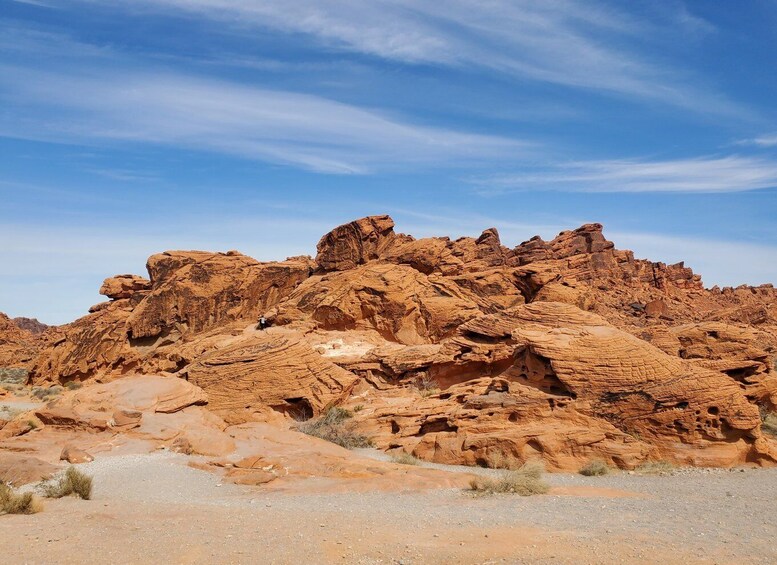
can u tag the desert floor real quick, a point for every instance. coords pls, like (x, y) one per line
(156, 509)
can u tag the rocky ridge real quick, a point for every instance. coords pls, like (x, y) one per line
(458, 351)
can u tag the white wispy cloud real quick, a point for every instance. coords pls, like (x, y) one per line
(571, 43)
(702, 175)
(91, 105)
(769, 140)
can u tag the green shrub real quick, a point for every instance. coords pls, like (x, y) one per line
(595, 468)
(73, 482)
(334, 426)
(18, 503)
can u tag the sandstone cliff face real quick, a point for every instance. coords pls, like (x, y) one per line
(188, 293)
(193, 291)
(460, 351)
(276, 369)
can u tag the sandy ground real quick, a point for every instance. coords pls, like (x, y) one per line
(156, 509)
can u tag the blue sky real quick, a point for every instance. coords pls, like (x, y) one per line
(132, 127)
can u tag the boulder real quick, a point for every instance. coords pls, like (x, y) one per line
(74, 455)
(123, 286)
(355, 243)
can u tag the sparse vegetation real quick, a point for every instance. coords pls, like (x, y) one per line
(73, 385)
(13, 375)
(12, 502)
(655, 468)
(358, 408)
(525, 480)
(425, 385)
(335, 426)
(72, 483)
(45, 394)
(595, 468)
(404, 459)
(768, 422)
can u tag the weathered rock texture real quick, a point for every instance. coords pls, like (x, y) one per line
(20, 342)
(459, 351)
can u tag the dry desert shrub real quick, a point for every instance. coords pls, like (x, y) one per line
(45, 394)
(525, 480)
(425, 385)
(73, 482)
(655, 468)
(18, 503)
(769, 422)
(595, 468)
(335, 426)
(404, 459)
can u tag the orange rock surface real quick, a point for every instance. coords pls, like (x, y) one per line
(459, 351)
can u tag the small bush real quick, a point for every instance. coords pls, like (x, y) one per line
(334, 426)
(358, 408)
(404, 459)
(73, 385)
(73, 482)
(46, 393)
(13, 375)
(18, 503)
(524, 481)
(595, 468)
(426, 385)
(655, 468)
(769, 423)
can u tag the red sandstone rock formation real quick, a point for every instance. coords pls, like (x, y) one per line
(461, 351)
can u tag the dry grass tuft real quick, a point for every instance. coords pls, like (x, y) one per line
(404, 459)
(335, 426)
(595, 468)
(18, 503)
(73, 482)
(655, 468)
(525, 480)
(425, 385)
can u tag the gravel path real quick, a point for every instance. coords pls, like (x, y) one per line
(155, 509)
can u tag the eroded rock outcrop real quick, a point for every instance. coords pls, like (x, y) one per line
(188, 293)
(395, 300)
(566, 385)
(460, 351)
(123, 286)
